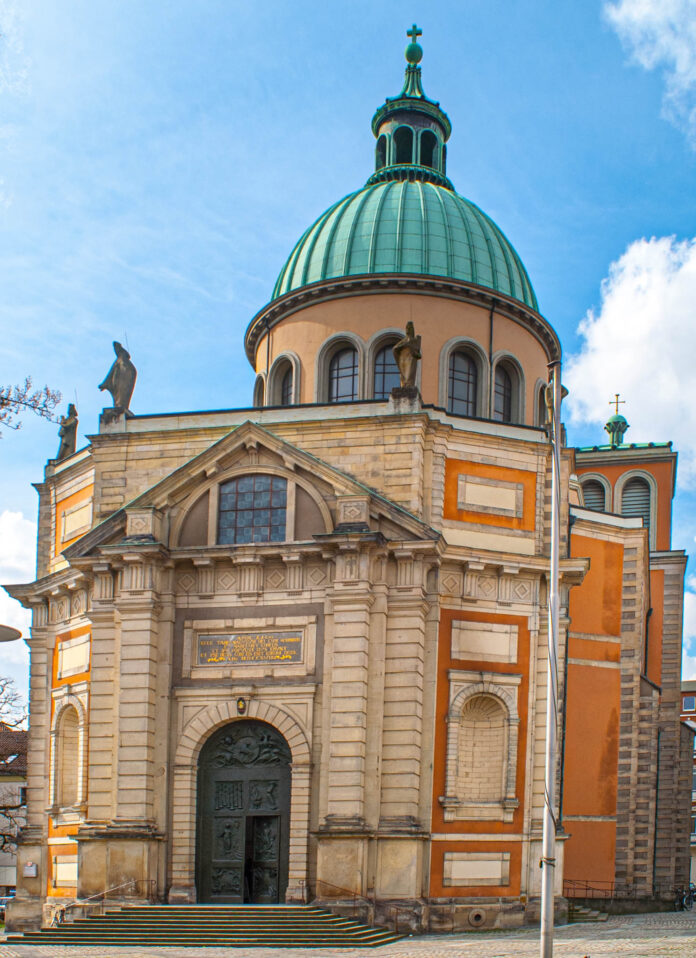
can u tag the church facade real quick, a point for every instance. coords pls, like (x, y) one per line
(298, 651)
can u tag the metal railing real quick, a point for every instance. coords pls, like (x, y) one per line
(345, 893)
(60, 912)
(596, 888)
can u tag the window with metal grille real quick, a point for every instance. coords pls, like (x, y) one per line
(343, 376)
(635, 500)
(286, 388)
(502, 396)
(252, 509)
(462, 384)
(594, 495)
(386, 375)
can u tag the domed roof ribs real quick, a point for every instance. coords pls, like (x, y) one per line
(470, 242)
(425, 258)
(489, 246)
(520, 273)
(315, 239)
(513, 277)
(330, 238)
(352, 231)
(448, 233)
(400, 227)
(289, 267)
(384, 193)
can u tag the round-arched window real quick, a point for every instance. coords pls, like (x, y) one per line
(343, 375)
(593, 495)
(381, 153)
(286, 387)
(635, 500)
(252, 509)
(428, 148)
(386, 374)
(502, 397)
(403, 142)
(462, 384)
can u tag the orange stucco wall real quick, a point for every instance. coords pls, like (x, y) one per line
(595, 606)
(593, 700)
(663, 473)
(469, 828)
(437, 320)
(527, 479)
(78, 498)
(63, 831)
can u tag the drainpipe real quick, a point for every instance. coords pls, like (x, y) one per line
(647, 640)
(571, 520)
(490, 360)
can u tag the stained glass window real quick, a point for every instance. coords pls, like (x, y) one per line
(252, 509)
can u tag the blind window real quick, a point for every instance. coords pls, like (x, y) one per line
(594, 496)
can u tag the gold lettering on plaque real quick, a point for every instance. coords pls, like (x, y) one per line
(249, 648)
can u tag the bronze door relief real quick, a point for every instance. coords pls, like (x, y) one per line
(243, 815)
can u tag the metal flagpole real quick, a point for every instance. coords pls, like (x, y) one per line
(548, 859)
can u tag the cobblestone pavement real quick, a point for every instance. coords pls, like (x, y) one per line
(657, 935)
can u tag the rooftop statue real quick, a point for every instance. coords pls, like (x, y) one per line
(67, 434)
(407, 353)
(120, 380)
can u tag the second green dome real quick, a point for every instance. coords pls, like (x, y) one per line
(407, 226)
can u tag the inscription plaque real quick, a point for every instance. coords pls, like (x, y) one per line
(249, 648)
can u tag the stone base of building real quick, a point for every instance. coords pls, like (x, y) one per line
(24, 914)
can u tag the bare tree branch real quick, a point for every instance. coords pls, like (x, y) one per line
(13, 718)
(16, 400)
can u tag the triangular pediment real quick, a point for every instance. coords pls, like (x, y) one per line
(348, 506)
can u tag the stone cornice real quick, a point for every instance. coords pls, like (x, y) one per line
(368, 284)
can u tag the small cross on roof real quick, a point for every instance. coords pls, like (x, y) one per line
(414, 33)
(617, 402)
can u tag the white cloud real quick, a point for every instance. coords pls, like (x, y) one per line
(640, 342)
(17, 564)
(661, 35)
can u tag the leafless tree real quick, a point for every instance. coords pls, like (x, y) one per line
(12, 724)
(16, 400)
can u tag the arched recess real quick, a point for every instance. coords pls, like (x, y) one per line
(428, 149)
(508, 364)
(649, 480)
(540, 403)
(596, 477)
(502, 690)
(68, 780)
(403, 144)
(329, 349)
(203, 504)
(385, 338)
(184, 792)
(472, 348)
(381, 152)
(286, 362)
(259, 391)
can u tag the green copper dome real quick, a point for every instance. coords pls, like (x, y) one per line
(408, 219)
(405, 226)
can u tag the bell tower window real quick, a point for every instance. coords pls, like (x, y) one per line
(403, 142)
(381, 153)
(428, 149)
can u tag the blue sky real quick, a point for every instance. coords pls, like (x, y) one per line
(159, 161)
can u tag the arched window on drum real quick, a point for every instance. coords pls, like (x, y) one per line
(462, 387)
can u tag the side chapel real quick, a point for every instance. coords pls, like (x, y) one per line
(297, 651)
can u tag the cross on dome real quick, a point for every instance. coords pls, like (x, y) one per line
(414, 33)
(617, 402)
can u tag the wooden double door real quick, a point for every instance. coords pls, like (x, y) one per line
(243, 815)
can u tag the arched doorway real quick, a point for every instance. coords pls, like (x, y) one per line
(243, 815)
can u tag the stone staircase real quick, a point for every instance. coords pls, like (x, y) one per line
(229, 926)
(583, 913)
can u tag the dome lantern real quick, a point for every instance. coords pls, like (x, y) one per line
(411, 129)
